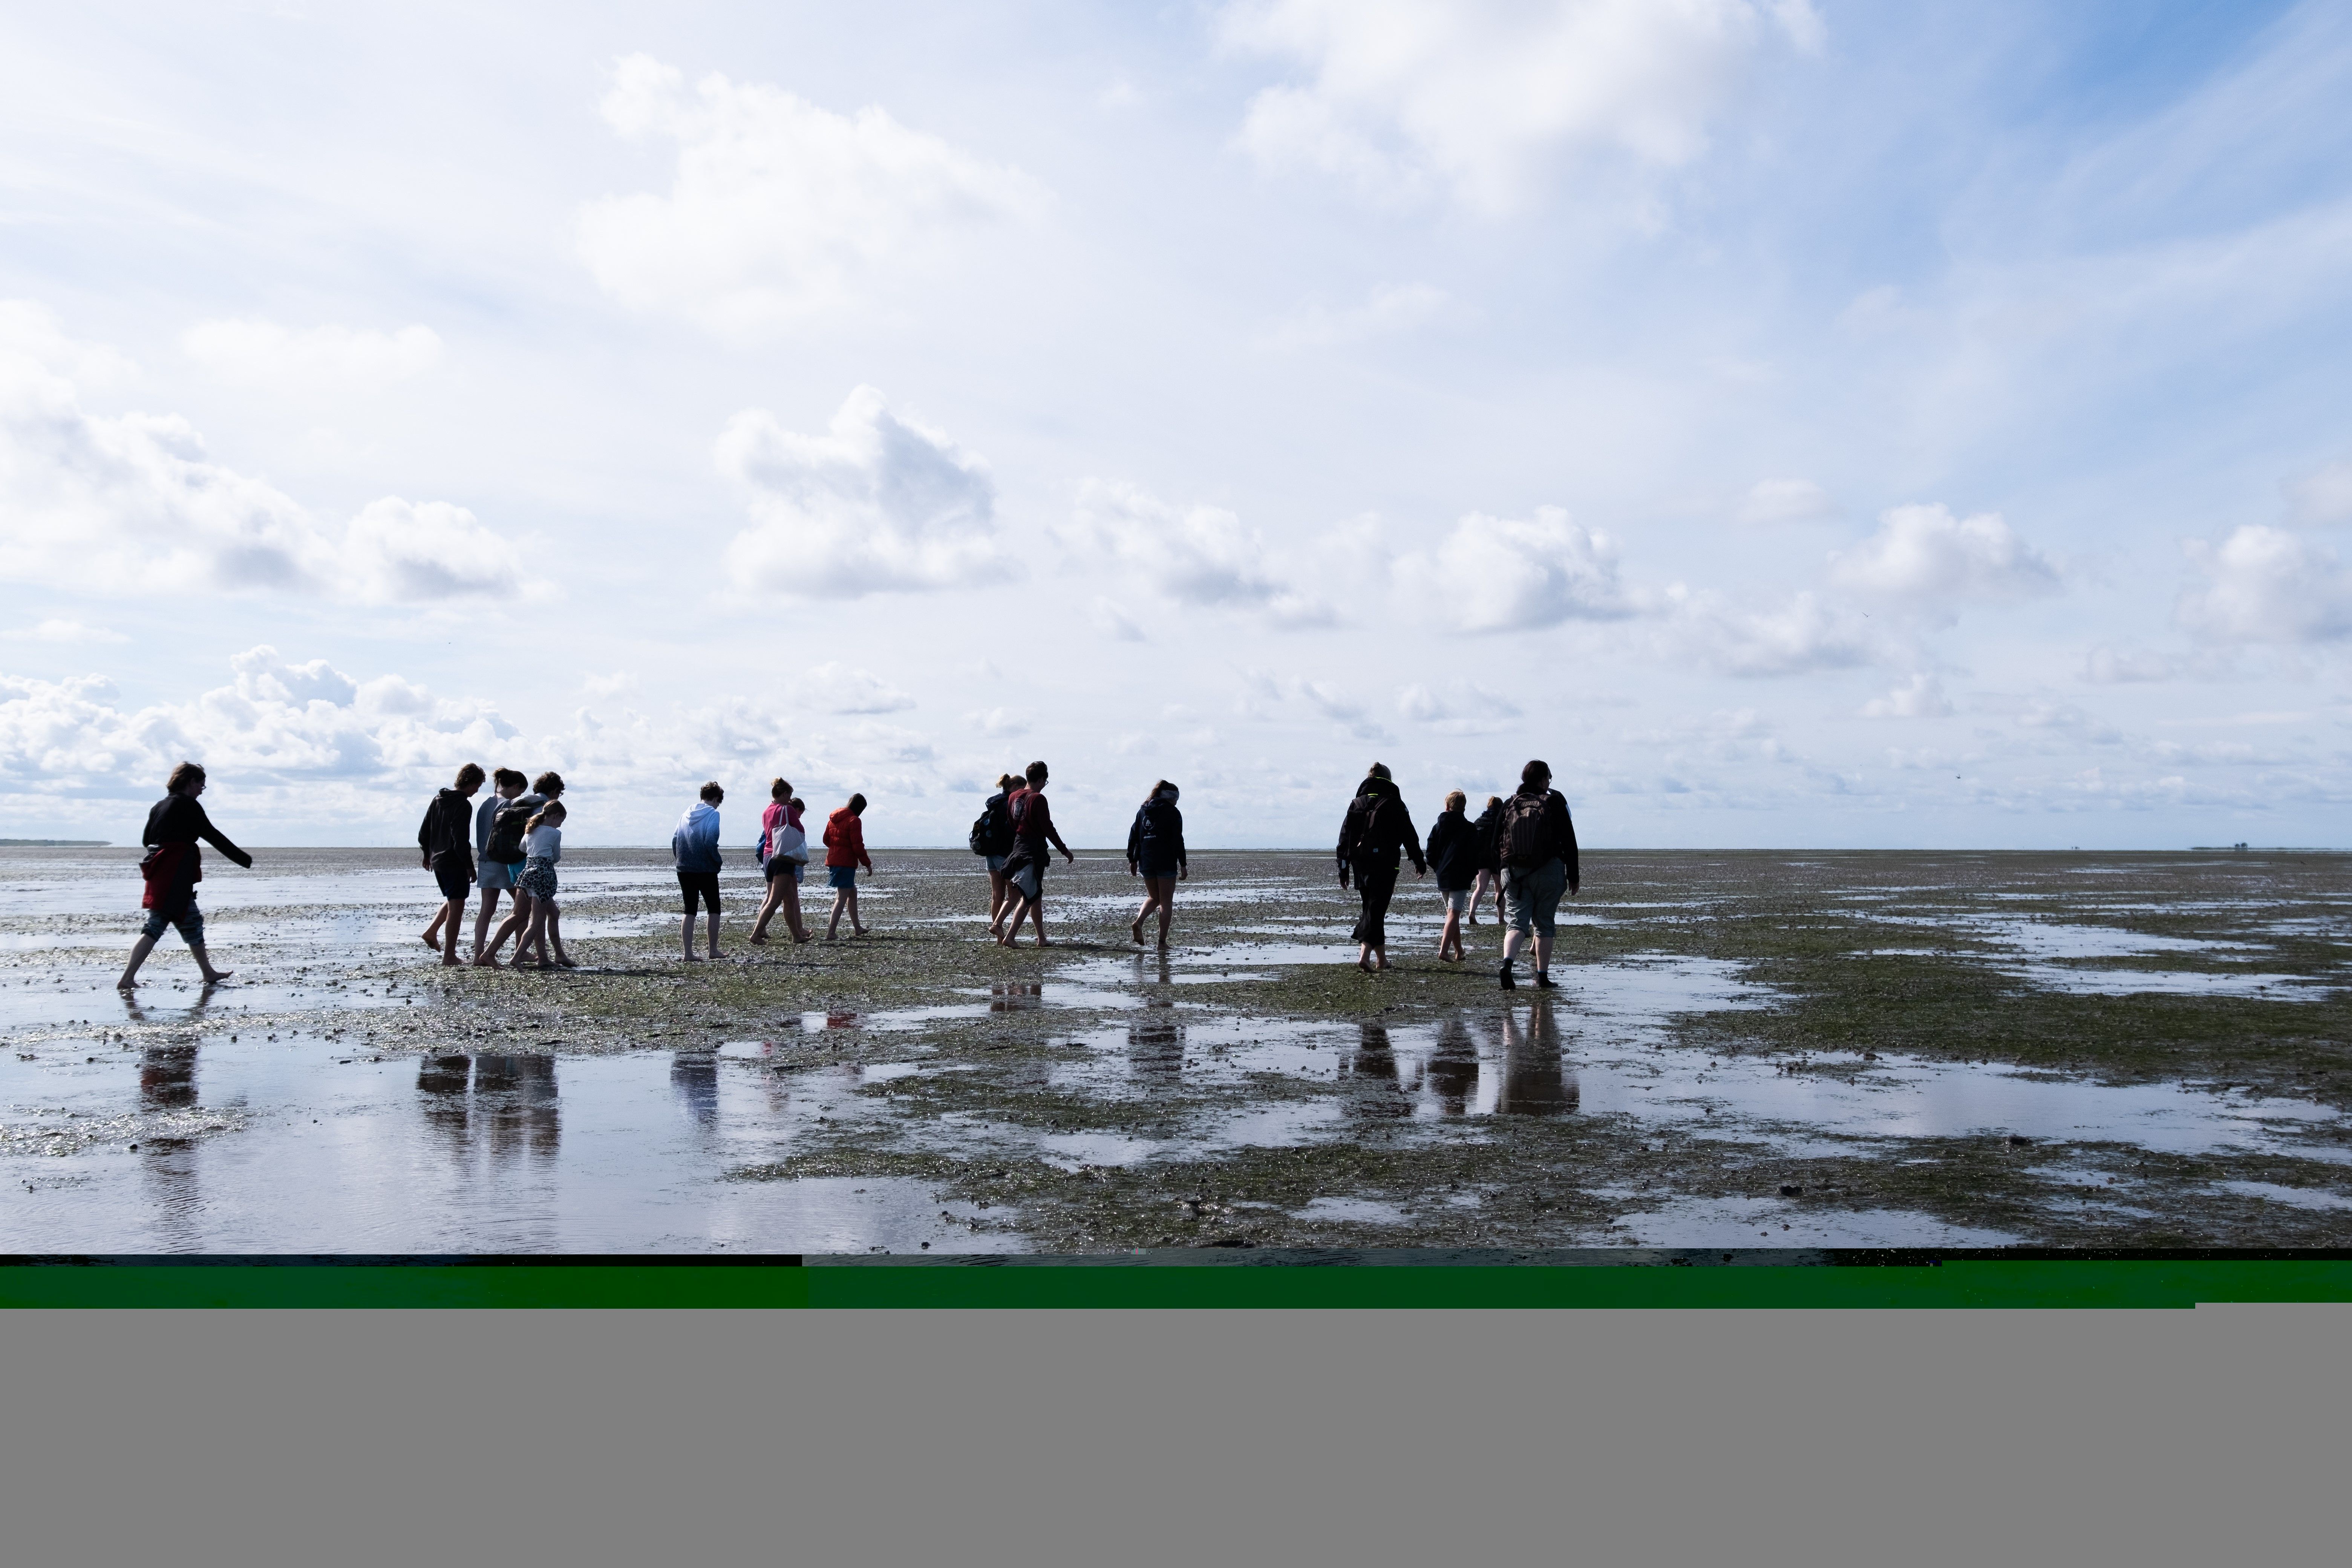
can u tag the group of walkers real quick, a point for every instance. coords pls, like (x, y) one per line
(1521, 850)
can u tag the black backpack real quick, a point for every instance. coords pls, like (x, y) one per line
(506, 824)
(1520, 834)
(1364, 813)
(991, 830)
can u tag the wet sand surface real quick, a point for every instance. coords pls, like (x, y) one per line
(1745, 1050)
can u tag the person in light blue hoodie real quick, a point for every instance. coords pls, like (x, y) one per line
(694, 846)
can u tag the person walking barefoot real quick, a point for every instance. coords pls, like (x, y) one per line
(1155, 851)
(844, 851)
(542, 843)
(1452, 855)
(694, 846)
(449, 855)
(991, 838)
(1376, 830)
(1490, 872)
(548, 786)
(783, 856)
(1024, 869)
(172, 868)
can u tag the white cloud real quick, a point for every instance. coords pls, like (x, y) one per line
(1114, 622)
(63, 631)
(1001, 722)
(249, 352)
(1799, 637)
(133, 503)
(1478, 96)
(1458, 708)
(877, 504)
(2264, 584)
(780, 209)
(2321, 499)
(833, 687)
(1784, 501)
(1921, 698)
(1505, 574)
(1195, 555)
(1386, 310)
(1266, 696)
(1927, 558)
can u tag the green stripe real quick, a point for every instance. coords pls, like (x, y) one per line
(601, 1283)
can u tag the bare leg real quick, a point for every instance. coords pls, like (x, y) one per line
(555, 935)
(1449, 941)
(997, 893)
(536, 936)
(857, 926)
(1016, 906)
(1167, 907)
(432, 932)
(1037, 914)
(840, 902)
(769, 903)
(482, 921)
(687, 932)
(799, 927)
(456, 911)
(712, 921)
(517, 921)
(139, 951)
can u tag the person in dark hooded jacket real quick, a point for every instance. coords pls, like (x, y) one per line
(1453, 856)
(1155, 851)
(1375, 832)
(448, 853)
(172, 869)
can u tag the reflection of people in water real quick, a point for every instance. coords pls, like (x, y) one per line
(1535, 1080)
(167, 1078)
(1452, 1071)
(513, 1102)
(1155, 1045)
(695, 1075)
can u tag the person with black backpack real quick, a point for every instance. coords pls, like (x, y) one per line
(1535, 843)
(1375, 829)
(1155, 851)
(1453, 856)
(991, 839)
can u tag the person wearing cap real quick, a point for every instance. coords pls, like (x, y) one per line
(1535, 842)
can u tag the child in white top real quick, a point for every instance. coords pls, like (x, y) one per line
(542, 846)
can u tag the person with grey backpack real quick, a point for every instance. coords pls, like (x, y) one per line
(1535, 843)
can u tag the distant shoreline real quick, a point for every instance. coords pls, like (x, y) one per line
(56, 843)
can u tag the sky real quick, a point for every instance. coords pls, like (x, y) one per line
(1804, 424)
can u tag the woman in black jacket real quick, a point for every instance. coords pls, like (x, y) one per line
(1453, 856)
(1375, 829)
(1155, 851)
(172, 869)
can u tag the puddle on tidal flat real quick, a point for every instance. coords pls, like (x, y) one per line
(300, 1146)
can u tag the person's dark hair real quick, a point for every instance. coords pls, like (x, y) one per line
(712, 792)
(856, 805)
(505, 776)
(1035, 773)
(1377, 771)
(797, 804)
(1162, 787)
(1455, 800)
(185, 774)
(549, 782)
(1494, 802)
(470, 776)
(1533, 770)
(780, 790)
(1006, 781)
(551, 812)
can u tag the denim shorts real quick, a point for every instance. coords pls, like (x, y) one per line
(497, 876)
(1456, 898)
(1532, 897)
(191, 923)
(841, 875)
(996, 864)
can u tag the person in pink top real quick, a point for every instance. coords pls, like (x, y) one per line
(783, 855)
(844, 851)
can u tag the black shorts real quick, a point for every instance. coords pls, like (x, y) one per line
(454, 870)
(702, 883)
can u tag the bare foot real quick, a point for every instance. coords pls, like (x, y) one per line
(1136, 930)
(544, 964)
(563, 960)
(756, 940)
(126, 985)
(717, 956)
(217, 976)
(485, 960)
(1043, 942)
(860, 930)
(432, 942)
(691, 959)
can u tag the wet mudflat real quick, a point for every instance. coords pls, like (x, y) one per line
(1750, 1049)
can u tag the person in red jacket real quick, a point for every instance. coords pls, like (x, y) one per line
(844, 851)
(172, 868)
